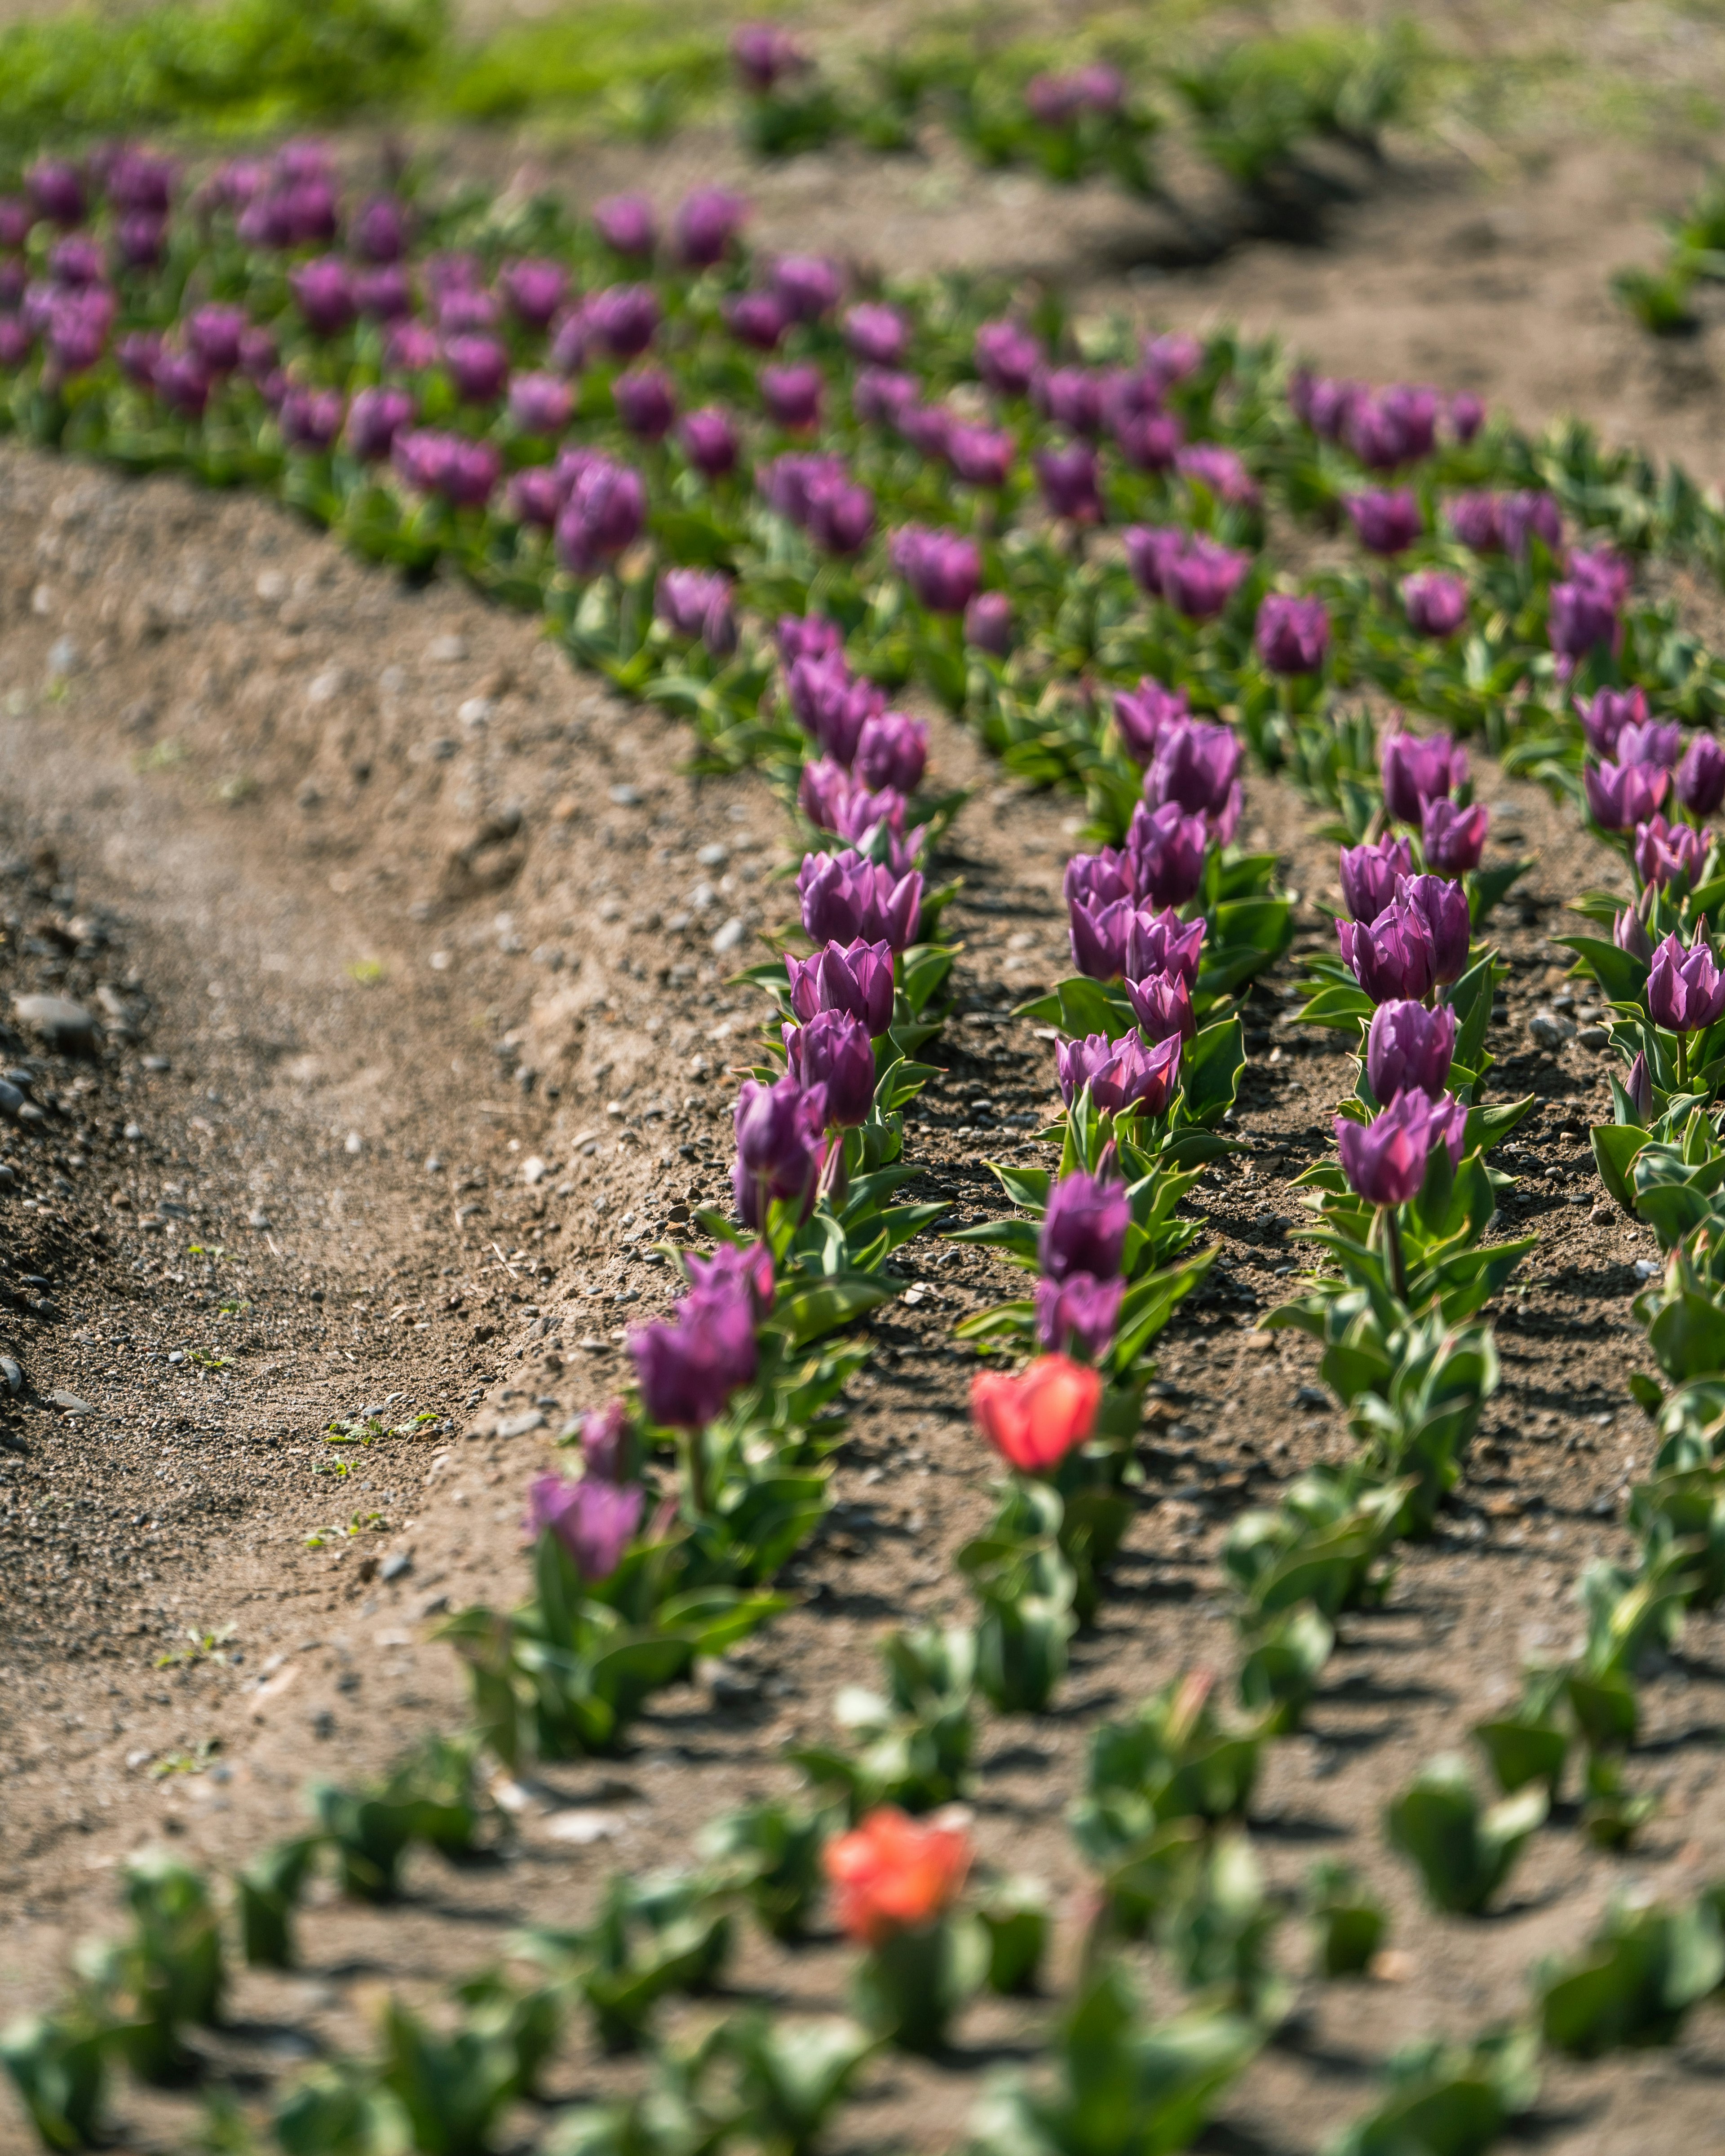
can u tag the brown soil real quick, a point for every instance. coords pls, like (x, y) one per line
(390, 904)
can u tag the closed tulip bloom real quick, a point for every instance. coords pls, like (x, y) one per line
(140, 353)
(1384, 1161)
(982, 456)
(1529, 514)
(687, 1367)
(627, 223)
(880, 394)
(1629, 933)
(787, 481)
(1453, 838)
(1162, 1005)
(709, 441)
(465, 313)
(595, 1520)
(646, 402)
(540, 403)
(1200, 580)
(478, 367)
(1385, 522)
(1034, 1420)
(877, 336)
(181, 380)
(1685, 989)
(463, 473)
(841, 516)
(1068, 479)
(76, 261)
(1072, 397)
(988, 625)
(312, 419)
(1621, 795)
(1409, 1049)
(1149, 548)
(704, 224)
(56, 190)
(891, 1874)
(1167, 850)
(17, 217)
(1144, 715)
(792, 394)
(213, 334)
(1700, 776)
(846, 895)
(757, 319)
(1328, 403)
(1077, 1317)
(1640, 1088)
(141, 239)
(1467, 415)
(1653, 741)
(1436, 604)
(606, 1442)
(1120, 1074)
(833, 705)
(697, 603)
(856, 978)
(623, 319)
(534, 290)
(1581, 620)
(1476, 519)
(1099, 938)
(833, 1051)
(378, 232)
(808, 636)
(807, 286)
(1221, 472)
(533, 496)
(1293, 635)
(1084, 1228)
(323, 292)
(737, 1271)
(780, 1145)
(411, 348)
(892, 750)
(1664, 851)
(1368, 875)
(1391, 956)
(1442, 905)
(606, 513)
(943, 569)
(1397, 426)
(1162, 943)
(1149, 441)
(383, 294)
(1007, 358)
(1418, 769)
(1098, 879)
(927, 427)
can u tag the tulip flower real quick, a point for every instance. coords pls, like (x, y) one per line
(1161, 942)
(833, 1051)
(462, 312)
(627, 223)
(1099, 879)
(1221, 472)
(792, 394)
(1619, 796)
(1477, 521)
(709, 441)
(738, 1271)
(1436, 604)
(1384, 1161)
(607, 1441)
(1196, 767)
(1167, 851)
(534, 289)
(879, 395)
(411, 347)
(891, 1874)
(1143, 715)
(56, 190)
(807, 286)
(1530, 515)
(213, 333)
(1076, 1318)
(1069, 479)
(757, 319)
(1701, 776)
(841, 515)
(1084, 1227)
(857, 978)
(1385, 522)
(1007, 358)
(697, 603)
(1391, 956)
(1397, 426)
(844, 896)
(1200, 581)
(312, 419)
(1686, 992)
(1119, 938)
(892, 750)
(384, 294)
(831, 705)
(780, 1146)
(1639, 1086)
(1293, 635)
(323, 291)
(1605, 714)
(540, 403)
(988, 623)
(1452, 838)
(687, 1367)
(463, 473)
(1467, 415)
(1442, 905)
(1652, 740)
(943, 569)
(1629, 933)
(1149, 548)
(808, 636)
(1162, 1005)
(1409, 1049)
(1581, 620)
(595, 1521)
(1072, 397)
(1663, 850)
(1149, 441)
(982, 456)
(1368, 875)
(623, 319)
(1171, 356)
(1121, 1074)
(138, 180)
(1034, 1420)
(877, 336)
(1419, 768)
(704, 223)
(646, 402)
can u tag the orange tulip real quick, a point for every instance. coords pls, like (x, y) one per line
(892, 1875)
(1034, 1420)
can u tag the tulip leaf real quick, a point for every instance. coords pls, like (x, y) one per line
(808, 1312)
(1210, 1070)
(1635, 1981)
(1616, 1146)
(1462, 1853)
(1337, 1005)
(1019, 1238)
(1444, 2100)
(1620, 974)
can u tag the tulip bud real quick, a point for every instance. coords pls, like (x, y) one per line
(1385, 1160)
(1628, 934)
(595, 1521)
(1409, 1049)
(1701, 776)
(1084, 1227)
(689, 1367)
(1143, 715)
(1368, 875)
(1453, 838)
(1034, 1420)
(833, 1051)
(1391, 956)
(1639, 1086)
(1442, 905)
(1293, 635)
(627, 223)
(807, 286)
(1077, 1317)
(1436, 604)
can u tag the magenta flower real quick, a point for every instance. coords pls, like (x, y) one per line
(1653, 740)
(1384, 1161)
(695, 603)
(1418, 769)
(462, 312)
(1476, 519)
(181, 382)
(1621, 795)
(763, 55)
(323, 292)
(875, 335)
(780, 1148)
(757, 319)
(1144, 715)
(709, 441)
(808, 636)
(1442, 905)
(1581, 620)
(1077, 1316)
(534, 289)
(1664, 851)
(833, 800)
(989, 624)
(378, 231)
(312, 419)
(595, 1520)
(606, 1444)
(383, 294)
(1639, 1086)
(627, 223)
(1453, 838)
(845, 896)
(841, 515)
(1685, 989)
(879, 395)
(1072, 397)
(646, 402)
(857, 978)
(1007, 358)
(1149, 441)
(1467, 415)
(1530, 515)
(75, 262)
(1409, 1049)
(1197, 766)
(1199, 580)
(1293, 635)
(534, 496)
(892, 751)
(1121, 1074)
(1397, 426)
(981, 456)
(56, 190)
(834, 707)
(141, 240)
(943, 569)
(411, 348)
(540, 403)
(464, 474)
(740, 1270)
(1629, 933)
(1068, 479)
(1084, 1227)
(1325, 403)
(807, 286)
(1149, 548)
(1162, 1005)
(140, 181)
(606, 514)
(1436, 604)
(792, 394)
(1171, 356)
(1221, 472)
(1368, 875)
(832, 1052)
(1391, 956)
(688, 1367)
(1162, 943)
(1167, 850)
(1701, 776)
(704, 224)
(623, 319)
(478, 367)
(213, 334)
(1385, 521)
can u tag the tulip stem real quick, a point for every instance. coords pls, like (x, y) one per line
(1393, 1253)
(698, 1473)
(1682, 1062)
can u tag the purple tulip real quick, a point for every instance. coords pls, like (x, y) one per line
(140, 183)
(1621, 795)
(1628, 934)
(1655, 741)
(741, 1270)
(988, 625)
(697, 603)
(880, 394)
(1453, 838)
(1149, 548)
(709, 441)
(688, 1367)
(139, 353)
(1077, 1316)
(627, 223)
(807, 286)
(1058, 101)
(786, 482)
(1605, 714)
(595, 1520)
(841, 515)
(323, 292)
(1144, 715)
(606, 513)
(1171, 356)
(1200, 580)
(540, 403)
(1293, 635)
(831, 705)
(1121, 1074)
(456, 270)
(808, 636)
(1442, 905)
(1386, 522)
(1476, 519)
(56, 190)
(259, 359)
(1072, 397)
(1084, 1228)
(1167, 850)
(1100, 879)
(1397, 426)
(1368, 875)
(623, 319)
(780, 1146)
(927, 427)
(757, 319)
(1409, 1049)
(1197, 766)
(877, 336)
(17, 217)
(463, 473)
(704, 223)
(833, 800)
(1221, 472)
(1467, 415)
(1391, 956)
(1639, 1086)
(1162, 1005)
(535, 496)
(76, 334)
(1161, 942)
(378, 232)
(463, 313)
(1419, 768)
(1663, 850)
(845, 896)
(75, 262)
(892, 750)
(943, 569)
(646, 402)
(1436, 604)
(1007, 358)
(478, 367)
(1685, 989)
(1581, 620)
(607, 1443)
(183, 382)
(534, 290)
(1528, 515)
(1325, 403)
(792, 394)
(1384, 1161)
(312, 419)
(384, 294)
(411, 348)
(763, 55)
(832, 1052)
(1068, 479)
(982, 456)
(857, 979)
(1149, 441)
(1700, 776)
(213, 334)
(141, 240)
(1099, 937)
